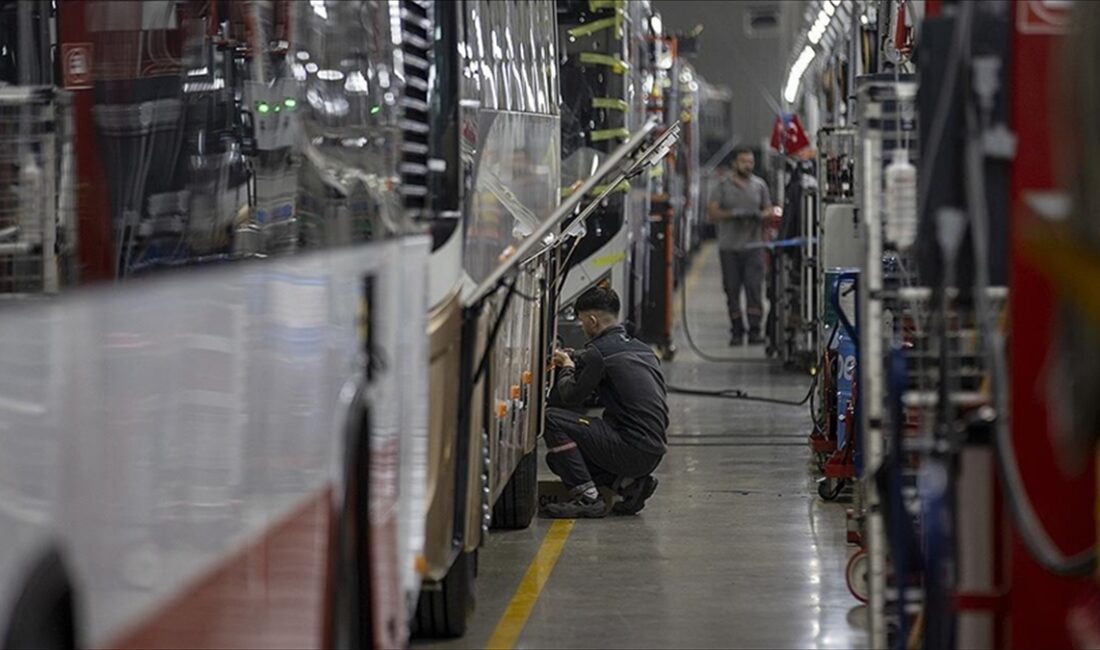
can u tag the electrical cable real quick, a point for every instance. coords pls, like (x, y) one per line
(691, 340)
(728, 393)
(738, 394)
(526, 297)
(483, 364)
(1032, 532)
(818, 426)
(826, 369)
(565, 268)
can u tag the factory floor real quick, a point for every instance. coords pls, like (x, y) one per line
(734, 550)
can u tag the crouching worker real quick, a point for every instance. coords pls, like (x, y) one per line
(623, 448)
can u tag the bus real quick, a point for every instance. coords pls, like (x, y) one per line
(495, 141)
(274, 343)
(607, 58)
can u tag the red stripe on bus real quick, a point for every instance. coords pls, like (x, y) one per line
(272, 593)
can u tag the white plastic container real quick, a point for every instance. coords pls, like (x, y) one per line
(901, 201)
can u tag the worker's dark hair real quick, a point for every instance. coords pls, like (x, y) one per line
(598, 299)
(738, 150)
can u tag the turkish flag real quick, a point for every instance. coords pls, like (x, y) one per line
(787, 134)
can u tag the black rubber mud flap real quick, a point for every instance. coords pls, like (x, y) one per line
(351, 624)
(446, 606)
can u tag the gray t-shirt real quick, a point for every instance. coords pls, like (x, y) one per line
(746, 201)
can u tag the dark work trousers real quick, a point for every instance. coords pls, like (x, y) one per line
(586, 452)
(743, 269)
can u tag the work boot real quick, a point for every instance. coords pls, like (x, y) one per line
(756, 338)
(578, 507)
(736, 339)
(635, 495)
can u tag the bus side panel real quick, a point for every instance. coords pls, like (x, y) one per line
(186, 440)
(445, 334)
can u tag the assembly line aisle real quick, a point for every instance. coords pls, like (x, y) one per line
(734, 549)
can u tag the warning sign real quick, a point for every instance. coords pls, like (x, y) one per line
(1043, 16)
(76, 65)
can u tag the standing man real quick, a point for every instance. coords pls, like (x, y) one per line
(621, 449)
(738, 206)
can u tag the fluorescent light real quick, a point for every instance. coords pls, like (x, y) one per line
(822, 22)
(790, 92)
(836, 3)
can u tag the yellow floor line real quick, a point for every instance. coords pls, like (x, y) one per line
(527, 594)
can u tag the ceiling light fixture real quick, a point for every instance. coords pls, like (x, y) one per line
(790, 92)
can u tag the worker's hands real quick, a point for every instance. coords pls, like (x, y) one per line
(562, 359)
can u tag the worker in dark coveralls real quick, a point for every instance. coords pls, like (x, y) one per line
(738, 206)
(623, 448)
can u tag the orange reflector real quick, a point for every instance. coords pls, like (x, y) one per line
(421, 564)
(515, 391)
(527, 377)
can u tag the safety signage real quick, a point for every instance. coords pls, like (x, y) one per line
(1043, 16)
(76, 65)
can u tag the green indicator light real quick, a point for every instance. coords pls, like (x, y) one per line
(278, 108)
(290, 103)
(375, 109)
(262, 107)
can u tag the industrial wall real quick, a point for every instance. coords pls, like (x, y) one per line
(751, 62)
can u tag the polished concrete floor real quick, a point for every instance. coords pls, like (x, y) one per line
(734, 549)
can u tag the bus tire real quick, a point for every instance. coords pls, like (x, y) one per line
(519, 501)
(445, 606)
(43, 615)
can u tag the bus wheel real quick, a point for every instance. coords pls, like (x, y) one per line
(516, 506)
(446, 605)
(43, 615)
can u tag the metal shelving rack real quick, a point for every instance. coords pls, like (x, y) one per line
(887, 112)
(37, 229)
(835, 187)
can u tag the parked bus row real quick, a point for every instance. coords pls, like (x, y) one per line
(279, 283)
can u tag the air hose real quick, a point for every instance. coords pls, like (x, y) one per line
(691, 340)
(738, 394)
(1032, 532)
(727, 393)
